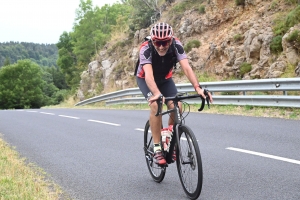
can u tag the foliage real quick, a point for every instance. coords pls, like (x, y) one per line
(294, 38)
(289, 71)
(191, 44)
(181, 7)
(205, 77)
(21, 85)
(67, 59)
(237, 37)
(284, 23)
(57, 77)
(245, 68)
(291, 2)
(276, 44)
(42, 54)
(201, 9)
(93, 27)
(27, 85)
(6, 62)
(274, 4)
(141, 13)
(240, 2)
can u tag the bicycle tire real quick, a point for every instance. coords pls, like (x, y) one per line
(156, 172)
(189, 164)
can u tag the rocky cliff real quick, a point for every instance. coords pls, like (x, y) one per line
(230, 35)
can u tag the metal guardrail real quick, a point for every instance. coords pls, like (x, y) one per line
(134, 96)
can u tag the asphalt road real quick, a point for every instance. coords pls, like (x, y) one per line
(97, 154)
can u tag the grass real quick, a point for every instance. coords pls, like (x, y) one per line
(20, 180)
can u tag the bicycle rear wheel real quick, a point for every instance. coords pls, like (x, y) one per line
(189, 164)
(157, 172)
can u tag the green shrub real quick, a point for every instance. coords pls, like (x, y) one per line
(284, 23)
(291, 2)
(205, 77)
(276, 44)
(182, 6)
(289, 71)
(191, 44)
(245, 68)
(294, 37)
(237, 37)
(240, 2)
(202, 9)
(274, 5)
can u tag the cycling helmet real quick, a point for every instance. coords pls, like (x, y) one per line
(161, 31)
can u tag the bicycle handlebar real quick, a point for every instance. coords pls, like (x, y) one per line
(178, 98)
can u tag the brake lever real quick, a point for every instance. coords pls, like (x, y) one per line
(159, 105)
(207, 97)
(203, 100)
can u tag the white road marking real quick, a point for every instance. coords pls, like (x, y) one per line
(47, 113)
(140, 129)
(90, 120)
(68, 116)
(265, 155)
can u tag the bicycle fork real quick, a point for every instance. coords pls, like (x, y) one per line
(178, 146)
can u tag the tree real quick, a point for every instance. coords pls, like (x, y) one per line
(21, 86)
(6, 62)
(66, 58)
(143, 12)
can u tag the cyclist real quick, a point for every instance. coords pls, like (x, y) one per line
(154, 77)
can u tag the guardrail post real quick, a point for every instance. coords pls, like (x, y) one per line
(285, 93)
(244, 93)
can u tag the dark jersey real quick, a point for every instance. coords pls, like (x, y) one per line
(162, 65)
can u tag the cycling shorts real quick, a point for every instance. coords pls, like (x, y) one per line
(167, 87)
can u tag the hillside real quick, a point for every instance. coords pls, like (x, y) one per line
(238, 41)
(42, 54)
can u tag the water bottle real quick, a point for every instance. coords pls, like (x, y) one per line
(166, 137)
(164, 140)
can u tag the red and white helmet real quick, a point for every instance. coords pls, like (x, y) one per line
(161, 31)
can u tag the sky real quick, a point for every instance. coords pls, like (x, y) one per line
(39, 21)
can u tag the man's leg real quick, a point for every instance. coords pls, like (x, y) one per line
(155, 123)
(155, 126)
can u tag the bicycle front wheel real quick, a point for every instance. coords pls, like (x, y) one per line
(189, 164)
(157, 172)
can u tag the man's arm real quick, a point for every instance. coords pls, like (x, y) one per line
(188, 71)
(149, 78)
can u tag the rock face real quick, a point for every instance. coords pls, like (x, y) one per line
(230, 35)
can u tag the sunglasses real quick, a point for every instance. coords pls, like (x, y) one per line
(161, 43)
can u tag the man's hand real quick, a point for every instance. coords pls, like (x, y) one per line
(201, 93)
(153, 98)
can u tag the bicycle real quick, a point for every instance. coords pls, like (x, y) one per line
(188, 158)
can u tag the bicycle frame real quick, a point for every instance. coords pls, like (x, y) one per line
(188, 157)
(177, 122)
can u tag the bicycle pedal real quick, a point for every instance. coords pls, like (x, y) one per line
(149, 158)
(162, 166)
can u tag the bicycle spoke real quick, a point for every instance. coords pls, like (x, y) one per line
(189, 164)
(157, 172)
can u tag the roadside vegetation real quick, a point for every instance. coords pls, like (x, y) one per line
(248, 110)
(20, 180)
